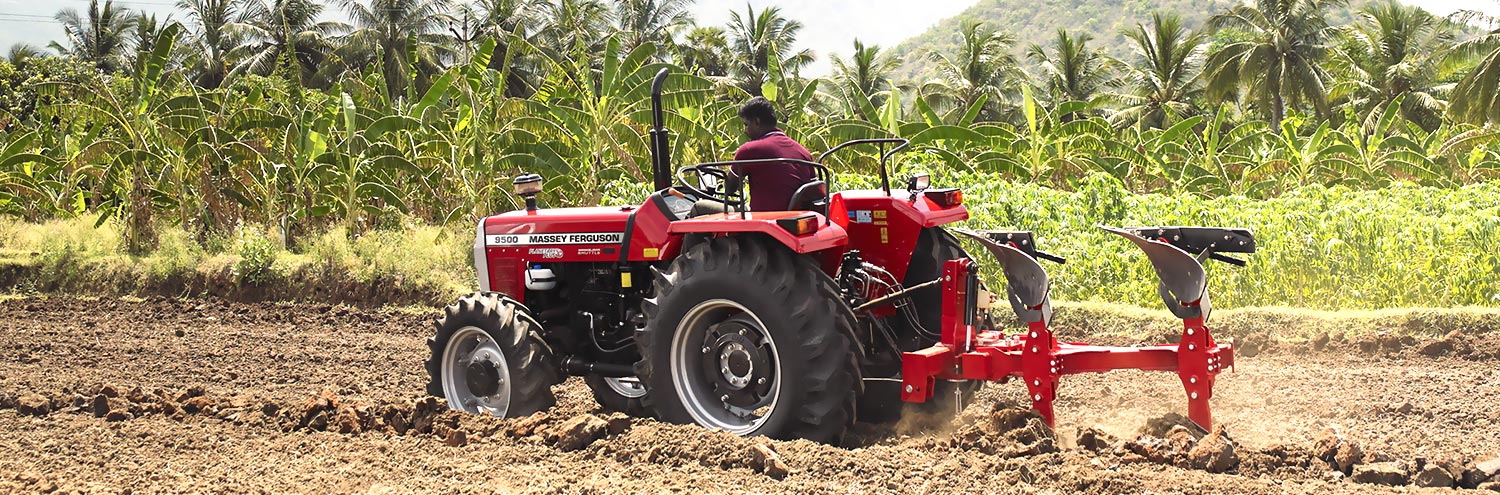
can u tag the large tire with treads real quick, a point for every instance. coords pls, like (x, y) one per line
(882, 400)
(744, 335)
(508, 337)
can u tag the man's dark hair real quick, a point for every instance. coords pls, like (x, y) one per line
(759, 110)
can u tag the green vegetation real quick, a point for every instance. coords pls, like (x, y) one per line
(258, 145)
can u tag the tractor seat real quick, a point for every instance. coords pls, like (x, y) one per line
(812, 196)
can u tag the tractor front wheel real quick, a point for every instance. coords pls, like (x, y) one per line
(748, 338)
(487, 358)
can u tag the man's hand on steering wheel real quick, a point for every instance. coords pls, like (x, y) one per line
(727, 181)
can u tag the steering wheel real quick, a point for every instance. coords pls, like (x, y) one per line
(717, 193)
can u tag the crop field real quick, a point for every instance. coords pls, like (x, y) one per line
(161, 395)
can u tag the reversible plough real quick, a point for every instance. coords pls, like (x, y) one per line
(968, 351)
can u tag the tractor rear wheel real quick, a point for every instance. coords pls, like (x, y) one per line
(487, 358)
(751, 339)
(882, 399)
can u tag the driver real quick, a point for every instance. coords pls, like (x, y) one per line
(772, 183)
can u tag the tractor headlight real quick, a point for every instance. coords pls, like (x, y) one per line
(527, 184)
(918, 182)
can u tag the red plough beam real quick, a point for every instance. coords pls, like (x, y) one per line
(969, 352)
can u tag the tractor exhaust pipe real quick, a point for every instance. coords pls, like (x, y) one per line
(661, 151)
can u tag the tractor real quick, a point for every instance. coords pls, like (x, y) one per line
(848, 306)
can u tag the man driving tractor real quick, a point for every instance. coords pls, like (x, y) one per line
(772, 183)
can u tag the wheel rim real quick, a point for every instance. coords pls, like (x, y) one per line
(476, 377)
(629, 387)
(725, 367)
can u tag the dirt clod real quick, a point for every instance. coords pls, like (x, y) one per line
(765, 460)
(1320, 342)
(1433, 476)
(34, 405)
(109, 391)
(1095, 440)
(456, 438)
(101, 405)
(1006, 430)
(1214, 453)
(617, 423)
(577, 433)
(1380, 473)
(527, 426)
(1340, 452)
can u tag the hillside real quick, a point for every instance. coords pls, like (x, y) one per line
(1037, 21)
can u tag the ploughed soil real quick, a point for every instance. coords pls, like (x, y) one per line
(199, 396)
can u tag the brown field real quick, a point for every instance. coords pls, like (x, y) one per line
(201, 396)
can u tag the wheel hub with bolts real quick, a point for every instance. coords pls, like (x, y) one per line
(730, 373)
(476, 377)
(738, 364)
(482, 377)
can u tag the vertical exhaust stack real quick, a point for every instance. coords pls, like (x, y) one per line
(661, 150)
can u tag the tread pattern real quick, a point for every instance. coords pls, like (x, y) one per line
(533, 371)
(820, 326)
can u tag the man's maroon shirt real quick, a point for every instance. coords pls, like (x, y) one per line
(772, 184)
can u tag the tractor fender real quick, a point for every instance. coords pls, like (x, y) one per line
(827, 236)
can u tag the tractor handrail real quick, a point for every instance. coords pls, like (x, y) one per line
(885, 178)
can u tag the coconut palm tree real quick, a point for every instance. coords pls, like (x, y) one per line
(1476, 97)
(19, 53)
(1393, 50)
(574, 28)
(212, 37)
(143, 40)
(1073, 72)
(706, 50)
(101, 35)
(755, 38)
(866, 72)
(651, 21)
(502, 19)
(1160, 84)
(390, 32)
(275, 29)
(983, 69)
(1280, 57)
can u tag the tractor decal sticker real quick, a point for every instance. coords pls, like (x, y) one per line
(544, 239)
(546, 253)
(861, 216)
(589, 251)
(651, 253)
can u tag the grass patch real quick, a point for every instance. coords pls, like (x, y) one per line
(414, 265)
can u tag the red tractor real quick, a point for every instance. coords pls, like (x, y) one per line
(790, 324)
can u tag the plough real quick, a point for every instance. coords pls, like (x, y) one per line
(968, 351)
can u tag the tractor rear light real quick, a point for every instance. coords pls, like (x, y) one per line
(946, 198)
(799, 225)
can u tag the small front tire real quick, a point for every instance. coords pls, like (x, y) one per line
(488, 358)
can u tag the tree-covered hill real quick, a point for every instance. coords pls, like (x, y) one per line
(1037, 21)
